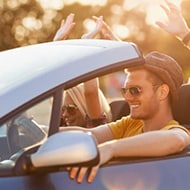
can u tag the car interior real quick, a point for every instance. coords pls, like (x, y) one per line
(119, 108)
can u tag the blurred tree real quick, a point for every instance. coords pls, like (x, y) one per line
(20, 23)
(25, 22)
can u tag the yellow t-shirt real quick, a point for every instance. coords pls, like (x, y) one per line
(127, 127)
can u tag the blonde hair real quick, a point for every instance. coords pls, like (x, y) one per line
(77, 95)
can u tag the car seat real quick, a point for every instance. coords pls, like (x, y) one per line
(119, 108)
(181, 109)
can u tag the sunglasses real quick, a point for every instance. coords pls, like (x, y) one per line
(134, 91)
(70, 108)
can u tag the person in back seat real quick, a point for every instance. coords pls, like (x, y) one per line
(83, 105)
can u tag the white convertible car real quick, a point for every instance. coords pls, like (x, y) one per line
(34, 156)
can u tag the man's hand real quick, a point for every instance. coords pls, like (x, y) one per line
(106, 153)
(80, 173)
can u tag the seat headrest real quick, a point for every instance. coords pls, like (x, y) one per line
(119, 109)
(181, 109)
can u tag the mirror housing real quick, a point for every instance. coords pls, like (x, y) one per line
(68, 148)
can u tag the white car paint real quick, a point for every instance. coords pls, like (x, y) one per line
(27, 72)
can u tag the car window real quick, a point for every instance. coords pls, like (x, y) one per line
(31, 126)
(25, 129)
(111, 85)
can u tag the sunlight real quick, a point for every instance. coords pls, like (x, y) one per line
(56, 4)
(121, 31)
(59, 4)
(20, 33)
(152, 7)
(13, 4)
(87, 2)
(88, 24)
(32, 23)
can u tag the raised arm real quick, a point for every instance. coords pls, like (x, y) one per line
(91, 88)
(92, 98)
(176, 24)
(95, 30)
(106, 30)
(93, 102)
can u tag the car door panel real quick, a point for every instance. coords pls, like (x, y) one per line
(157, 175)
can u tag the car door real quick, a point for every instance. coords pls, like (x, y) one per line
(139, 174)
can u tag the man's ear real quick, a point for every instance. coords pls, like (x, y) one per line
(163, 91)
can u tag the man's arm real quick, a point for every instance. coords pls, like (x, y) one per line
(155, 143)
(102, 133)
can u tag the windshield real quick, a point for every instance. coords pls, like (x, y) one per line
(25, 129)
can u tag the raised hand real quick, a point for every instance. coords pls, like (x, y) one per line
(106, 30)
(65, 28)
(176, 24)
(95, 31)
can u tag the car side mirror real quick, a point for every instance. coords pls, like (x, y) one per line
(67, 148)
